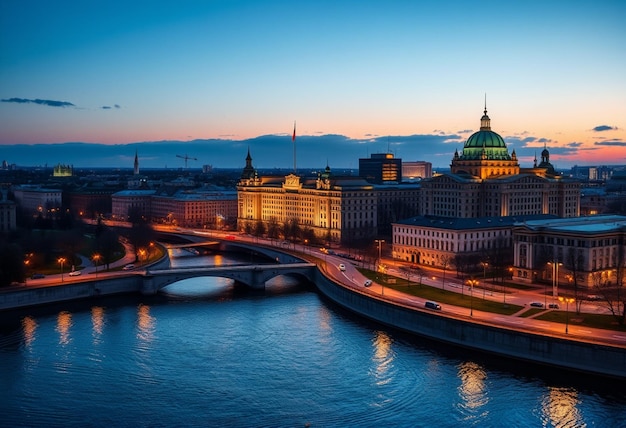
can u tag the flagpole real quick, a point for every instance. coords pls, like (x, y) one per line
(293, 138)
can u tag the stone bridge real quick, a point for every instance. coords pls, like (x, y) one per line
(253, 276)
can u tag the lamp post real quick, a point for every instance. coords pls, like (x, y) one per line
(96, 259)
(472, 283)
(567, 301)
(380, 244)
(555, 278)
(485, 264)
(61, 260)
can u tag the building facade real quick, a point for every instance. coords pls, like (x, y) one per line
(335, 209)
(35, 200)
(588, 250)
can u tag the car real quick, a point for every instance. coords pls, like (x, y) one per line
(536, 304)
(432, 305)
(553, 306)
(594, 297)
(129, 267)
(367, 283)
(75, 273)
(37, 276)
(342, 267)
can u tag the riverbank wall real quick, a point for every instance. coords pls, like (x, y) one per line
(591, 358)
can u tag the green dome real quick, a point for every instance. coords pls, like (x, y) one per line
(485, 144)
(486, 139)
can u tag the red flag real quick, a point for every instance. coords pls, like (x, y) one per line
(293, 138)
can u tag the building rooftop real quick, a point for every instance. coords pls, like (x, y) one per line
(591, 224)
(472, 223)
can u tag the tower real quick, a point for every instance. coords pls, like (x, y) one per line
(136, 166)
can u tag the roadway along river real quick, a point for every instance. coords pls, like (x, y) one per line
(207, 355)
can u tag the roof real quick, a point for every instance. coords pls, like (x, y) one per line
(472, 223)
(587, 225)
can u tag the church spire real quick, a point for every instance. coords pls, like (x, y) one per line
(136, 165)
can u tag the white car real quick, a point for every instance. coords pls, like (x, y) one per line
(342, 267)
(75, 273)
(367, 283)
(129, 267)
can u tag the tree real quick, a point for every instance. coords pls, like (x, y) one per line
(259, 228)
(575, 263)
(446, 262)
(12, 267)
(273, 228)
(140, 235)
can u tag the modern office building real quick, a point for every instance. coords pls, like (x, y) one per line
(381, 168)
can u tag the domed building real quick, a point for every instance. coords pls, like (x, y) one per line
(485, 154)
(485, 180)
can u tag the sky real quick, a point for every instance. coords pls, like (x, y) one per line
(408, 77)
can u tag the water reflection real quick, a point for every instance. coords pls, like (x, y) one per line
(472, 391)
(64, 322)
(383, 357)
(145, 324)
(560, 409)
(29, 327)
(97, 321)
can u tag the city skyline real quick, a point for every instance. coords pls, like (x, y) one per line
(358, 77)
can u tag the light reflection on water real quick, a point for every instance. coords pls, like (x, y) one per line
(204, 354)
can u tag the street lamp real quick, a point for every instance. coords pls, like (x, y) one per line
(472, 283)
(61, 260)
(555, 278)
(485, 264)
(567, 301)
(380, 244)
(96, 258)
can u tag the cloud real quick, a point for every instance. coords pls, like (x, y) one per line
(601, 128)
(610, 143)
(574, 144)
(50, 103)
(116, 106)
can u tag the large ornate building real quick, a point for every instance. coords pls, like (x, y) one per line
(336, 209)
(486, 181)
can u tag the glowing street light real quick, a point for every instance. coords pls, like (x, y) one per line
(472, 283)
(61, 260)
(380, 245)
(555, 278)
(96, 258)
(485, 264)
(567, 301)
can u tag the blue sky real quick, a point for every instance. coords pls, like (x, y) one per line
(372, 72)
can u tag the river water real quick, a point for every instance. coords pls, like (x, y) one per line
(206, 353)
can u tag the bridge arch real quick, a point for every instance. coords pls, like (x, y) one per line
(253, 276)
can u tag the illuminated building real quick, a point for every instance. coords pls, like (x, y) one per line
(335, 209)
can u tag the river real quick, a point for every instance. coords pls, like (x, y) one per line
(206, 353)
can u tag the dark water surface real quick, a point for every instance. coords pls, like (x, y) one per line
(205, 354)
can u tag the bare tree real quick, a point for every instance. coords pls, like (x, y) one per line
(575, 263)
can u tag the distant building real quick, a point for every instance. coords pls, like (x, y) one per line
(62, 171)
(416, 170)
(127, 202)
(35, 200)
(136, 164)
(7, 212)
(381, 168)
(195, 208)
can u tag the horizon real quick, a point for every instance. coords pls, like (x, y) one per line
(402, 75)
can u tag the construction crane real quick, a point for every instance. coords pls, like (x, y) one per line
(186, 159)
